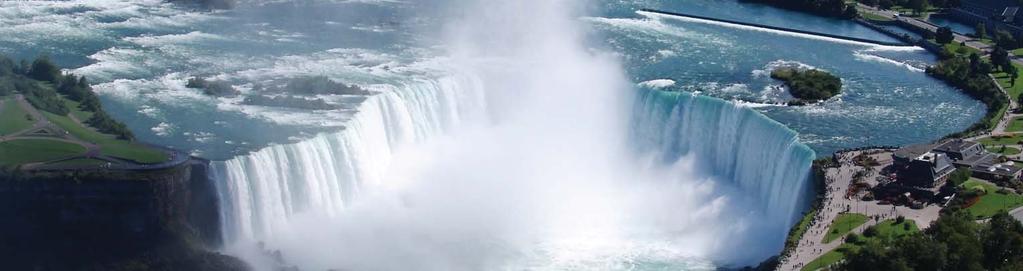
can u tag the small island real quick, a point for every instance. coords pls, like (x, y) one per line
(212, 88)
(808, 86)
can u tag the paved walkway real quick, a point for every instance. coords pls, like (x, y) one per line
(838, 180)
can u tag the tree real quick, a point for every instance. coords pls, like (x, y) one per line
(850, 12)
(1012, 71)
(1002, 241)
(918, 6)
(922, 252)
(1004, 39)
(874, 256)
(980, 31)
(959, 233)
(944, 35)
(44, 70)
(870, 232)
(978, 66)
(999, 57)
(885, 4)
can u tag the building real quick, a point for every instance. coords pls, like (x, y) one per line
(920, 166)
(923, 165)
(994, 14)
(964, 153)
(995, 171)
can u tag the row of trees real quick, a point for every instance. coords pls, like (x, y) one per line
(970, 74)
(41, 82)
(830, 8)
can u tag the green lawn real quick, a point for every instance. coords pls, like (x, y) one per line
(797, 233)
(13, 118)
(886, 229)
(75, 111)
(1006, 82)
(1003, 151)
(891, 230)
(23, 151)
(1016, 51)
(874, 17)
(1001, 140)
(843, 224)
(1015, 125)
(823, 261)
(958, 48)
(993, 201)
(110, 145)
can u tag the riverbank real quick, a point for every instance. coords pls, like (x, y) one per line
(813, 249)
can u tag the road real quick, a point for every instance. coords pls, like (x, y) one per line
(958, 37)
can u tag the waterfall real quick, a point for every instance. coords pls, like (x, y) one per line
(760, 156)
(261, 190)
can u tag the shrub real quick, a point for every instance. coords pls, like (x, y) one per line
(852, 238)
(870, 232)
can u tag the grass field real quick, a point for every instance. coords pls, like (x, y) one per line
(842, 225)
(1006, 82)
(1003, 151)
(12, 117)
(109, 144)
(886, 229)
(874, 17)
(75, 111)
(1016, 51)
(890, 230)
(993, 201)
(23, 151)
(1001, 140)
(825, 260)
(959, 49)
(1015, 125)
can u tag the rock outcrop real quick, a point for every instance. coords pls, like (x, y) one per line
(103, 219)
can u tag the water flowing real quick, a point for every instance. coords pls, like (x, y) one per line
(761, 156)
(537, 155)
(261, 190)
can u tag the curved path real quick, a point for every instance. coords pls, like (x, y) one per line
(811, 246)
(92, 150)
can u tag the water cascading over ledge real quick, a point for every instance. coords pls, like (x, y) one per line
(759, 155)
(262, 190)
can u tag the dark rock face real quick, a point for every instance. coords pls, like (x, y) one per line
(102, 219)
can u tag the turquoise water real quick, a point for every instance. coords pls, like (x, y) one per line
(275, 164)
(887, 99)
(956, 26)
(143, 53)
